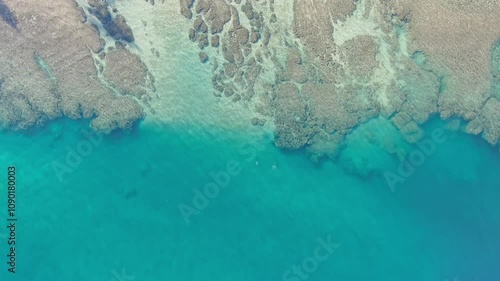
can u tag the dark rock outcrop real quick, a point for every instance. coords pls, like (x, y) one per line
(186, 6)
(200, 25)
(218, 14)
(116, 27)
(7, 15)
(258, 121)
(100, 11)
(215, 41)
(44, 79)
(119, 29)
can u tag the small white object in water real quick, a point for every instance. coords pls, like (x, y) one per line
(274, 166)
(256, 163)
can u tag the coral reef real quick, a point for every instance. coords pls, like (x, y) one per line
(116, 27)
(217, 24)
(313, 26)
(126, 72)
(349, 61)
(359, 55)
(314, 70)
(49, 68)
(186, 6)
(487, 122)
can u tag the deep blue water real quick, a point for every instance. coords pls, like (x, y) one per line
(116, 216)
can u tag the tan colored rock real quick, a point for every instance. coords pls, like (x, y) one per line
(487, 122)
(294, 68)
(48, 70)
(359, 55)
(215, 41)
(242, 35)
(202, 40)
(202, 6)
(126, 72)
(458, 37)
(186, 6)
(334, 108)
(231, 49)
(254, 36)
(200, 25)
(203, 57)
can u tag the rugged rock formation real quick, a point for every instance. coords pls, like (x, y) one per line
(116, 27)
(126, 72)
(345, 62)
(290, 117)
(487, 122)
(203, 57)
(186, 6)
(7, 15)
(48, 70)
(313, 25)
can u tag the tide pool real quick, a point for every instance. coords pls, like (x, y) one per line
(115, 215)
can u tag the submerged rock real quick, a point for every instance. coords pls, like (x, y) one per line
(202, 6)
(289, 118)
(119, 29)
(217, 13)
(7, 15)
(116, 27)
(202, 41)
(43, 79)
(192, 34)
(248, 10)
(267, 36)
(214, 40)
(203, 57)
(254, 36)
(100, 11)
(488, 122)
(126, 72)
(200, 25)
(258, 121)
(242, 35)
(186, 8)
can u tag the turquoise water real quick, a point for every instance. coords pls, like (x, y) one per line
(115, 215)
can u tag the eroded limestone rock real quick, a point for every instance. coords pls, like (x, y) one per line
(126, 72)
(186, 6)
(48, 70)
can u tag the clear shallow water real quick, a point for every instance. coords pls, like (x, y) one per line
(119, 209)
